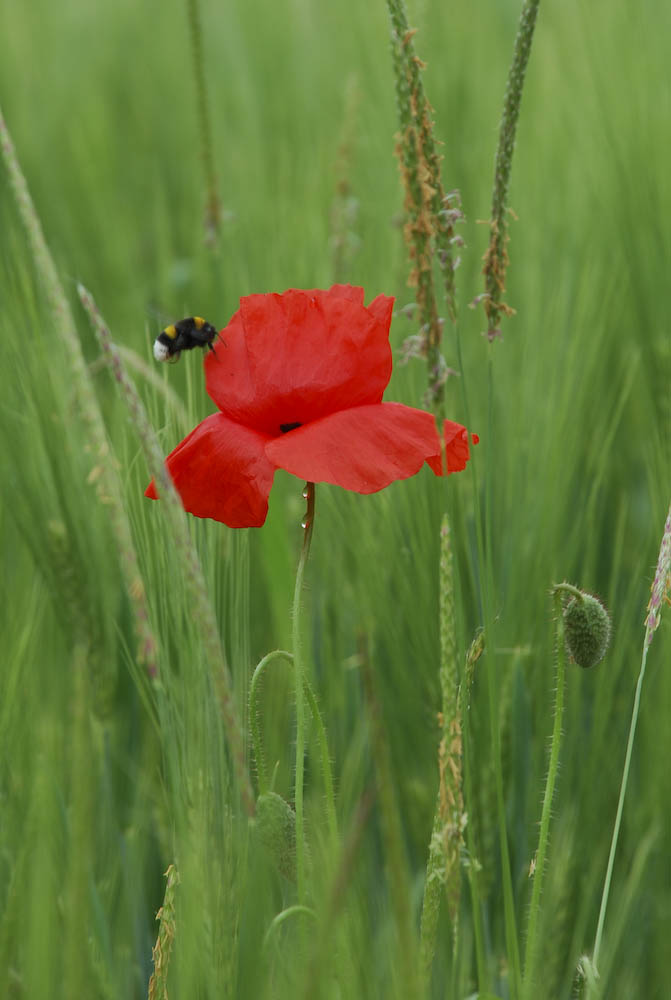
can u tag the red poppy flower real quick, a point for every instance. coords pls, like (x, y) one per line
(298, 382)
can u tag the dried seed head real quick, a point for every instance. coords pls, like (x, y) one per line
(587, 629)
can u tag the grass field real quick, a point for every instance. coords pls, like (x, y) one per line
(115, 765)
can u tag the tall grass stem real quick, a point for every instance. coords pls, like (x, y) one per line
(76, 971)
(660, 587)
(392, 834)
(212, 202)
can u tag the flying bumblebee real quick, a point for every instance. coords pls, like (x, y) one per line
(184, 336)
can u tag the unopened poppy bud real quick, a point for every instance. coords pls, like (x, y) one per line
(276, 828)
(587, 629)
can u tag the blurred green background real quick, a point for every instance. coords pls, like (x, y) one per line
(107, 777)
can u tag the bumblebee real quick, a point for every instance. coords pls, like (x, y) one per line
(183, 336)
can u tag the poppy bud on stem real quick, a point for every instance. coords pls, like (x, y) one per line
(307, 523)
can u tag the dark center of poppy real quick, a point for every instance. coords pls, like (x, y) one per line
(285, 428)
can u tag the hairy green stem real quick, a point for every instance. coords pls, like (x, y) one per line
(254, 716)
(299, 675)
(544, 834)
(257, 741)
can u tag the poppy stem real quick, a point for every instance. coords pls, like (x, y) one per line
(299, 673)
(529, 986)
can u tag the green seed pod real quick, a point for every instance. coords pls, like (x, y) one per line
(276, 829)
(587, 629)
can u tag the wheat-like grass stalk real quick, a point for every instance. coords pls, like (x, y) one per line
(201, 607)
(167, 928)
(104, 471)
(431, 214)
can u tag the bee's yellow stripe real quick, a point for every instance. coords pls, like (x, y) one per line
(198, 322)
(170, 331)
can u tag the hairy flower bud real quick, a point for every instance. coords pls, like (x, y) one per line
(276, 828)
(587, 629)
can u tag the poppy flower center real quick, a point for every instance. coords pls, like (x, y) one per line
(285, 428)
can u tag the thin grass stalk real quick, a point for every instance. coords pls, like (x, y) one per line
(158, 983)
(76, 971)
(299, 676)
(257, 741)
(392, 835)
(496, 255)
(510, 920)
(212, 202)
(443, 874)
(529, 988)
(201, 607)
(341, 879)
(107, 483)
(483, 535)
(661, 586)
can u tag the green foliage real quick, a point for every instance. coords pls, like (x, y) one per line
(108, 774)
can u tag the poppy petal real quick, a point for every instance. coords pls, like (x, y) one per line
(221, 471)
(362, 449)
(297, 357)
(382, 308)
(456, 448)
